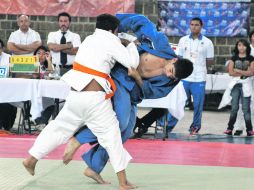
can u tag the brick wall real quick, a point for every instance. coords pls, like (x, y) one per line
(85, 26)
(44, 24)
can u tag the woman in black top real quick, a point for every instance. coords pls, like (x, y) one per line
(241, 67)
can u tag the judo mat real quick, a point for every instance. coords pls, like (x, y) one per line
(164, 165)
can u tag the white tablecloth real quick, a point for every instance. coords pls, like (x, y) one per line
(53, 89)
(18, 90)
(174, 101)
(217, 82)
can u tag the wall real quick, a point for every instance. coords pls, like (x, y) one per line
(223, 46)
(85, 26)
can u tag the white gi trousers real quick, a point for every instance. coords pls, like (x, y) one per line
(85, 108)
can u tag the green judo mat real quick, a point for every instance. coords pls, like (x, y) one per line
(54, 175)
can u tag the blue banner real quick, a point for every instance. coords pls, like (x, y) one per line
(220, 18)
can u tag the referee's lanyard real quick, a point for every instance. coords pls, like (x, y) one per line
(194, 51)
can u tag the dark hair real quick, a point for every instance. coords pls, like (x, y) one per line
(183, 68)
(250, 35)
(64, 14)
(245, 43)
(2, 43)
(45, 49)
(41, 47)
(107, 22)
(197, 19)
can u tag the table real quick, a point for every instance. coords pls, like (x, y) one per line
(20, 90)
(217, 82)
(17, 90)
(174, 102)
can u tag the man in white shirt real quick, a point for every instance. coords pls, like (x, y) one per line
(7, 111)
(63, 44)
(4, 61)
(89, 100)
(200, 50)
(23, 41)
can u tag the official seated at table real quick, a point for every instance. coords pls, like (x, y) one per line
(46, 66)
(7, 111)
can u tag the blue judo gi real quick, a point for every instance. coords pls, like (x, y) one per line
(128, 93)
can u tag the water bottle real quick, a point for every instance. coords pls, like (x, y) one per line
(42, 71)
(57, 70)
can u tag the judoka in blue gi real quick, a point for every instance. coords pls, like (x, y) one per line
(128, 93)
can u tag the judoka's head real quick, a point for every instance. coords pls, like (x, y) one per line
(107, 22)
(178, 68)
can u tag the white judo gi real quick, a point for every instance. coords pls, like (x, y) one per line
(99, 51)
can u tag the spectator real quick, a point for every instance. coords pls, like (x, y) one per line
(48, 103)
(45, 58)
(4, 59)
(241, 67)
(25, 40)
(7, 111)
(63, 43)
(239, 124)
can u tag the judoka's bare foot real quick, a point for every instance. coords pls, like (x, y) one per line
(124, 184)
(128, 186)
(72, 146)
(95, 176)
(29, 164)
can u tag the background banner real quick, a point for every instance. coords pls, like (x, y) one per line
(221, 18)
(82, 8)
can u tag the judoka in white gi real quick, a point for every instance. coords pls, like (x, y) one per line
(86, 103)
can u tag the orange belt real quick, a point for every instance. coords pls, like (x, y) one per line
(84, 69)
